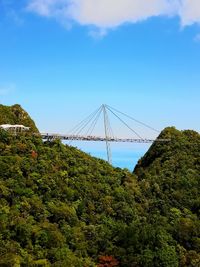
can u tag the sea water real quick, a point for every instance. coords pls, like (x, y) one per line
(124, 155)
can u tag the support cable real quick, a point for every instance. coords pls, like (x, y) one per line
(80, 124)
(111, 133)
(90, 121)
(124, 123)
(91, 129)
(85, 125)
(144, 124)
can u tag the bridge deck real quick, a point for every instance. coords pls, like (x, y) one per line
(49, 136)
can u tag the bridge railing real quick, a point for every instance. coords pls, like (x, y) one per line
(52, 136)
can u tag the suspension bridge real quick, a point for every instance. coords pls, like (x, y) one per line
(83, 131)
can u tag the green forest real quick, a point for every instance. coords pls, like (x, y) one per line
(60, 207)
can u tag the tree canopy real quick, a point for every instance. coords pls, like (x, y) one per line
(61, 207)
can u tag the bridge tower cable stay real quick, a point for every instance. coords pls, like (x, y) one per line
(120, 119)
(83, 124)
(133, 119)
(94, 122)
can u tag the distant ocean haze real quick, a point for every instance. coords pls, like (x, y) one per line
(124, 155)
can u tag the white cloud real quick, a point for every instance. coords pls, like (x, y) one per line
(190, 12)
(112, 13)
(105, 14)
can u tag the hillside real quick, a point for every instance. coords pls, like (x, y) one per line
(16, 115)
(60, 207)
(169, 177)
(174, 167)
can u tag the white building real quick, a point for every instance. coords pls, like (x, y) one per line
(16, 128)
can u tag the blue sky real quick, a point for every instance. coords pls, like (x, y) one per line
(61, 62)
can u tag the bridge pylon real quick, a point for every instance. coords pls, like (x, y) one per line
(106, 129)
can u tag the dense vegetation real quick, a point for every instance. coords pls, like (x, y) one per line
(169, 177)
(61, 207)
